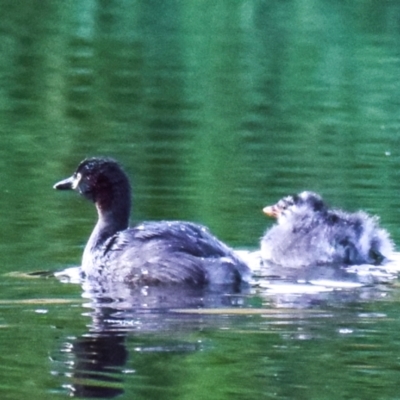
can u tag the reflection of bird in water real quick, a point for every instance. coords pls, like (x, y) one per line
(150, 253)
(308, 233)
(98, 358)
(131, 330)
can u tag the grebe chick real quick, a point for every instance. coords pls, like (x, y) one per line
(308, 233)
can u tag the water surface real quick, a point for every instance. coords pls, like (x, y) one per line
(215, 109)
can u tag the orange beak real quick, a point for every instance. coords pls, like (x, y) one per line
(272, 211)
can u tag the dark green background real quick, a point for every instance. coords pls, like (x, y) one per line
(215, 108)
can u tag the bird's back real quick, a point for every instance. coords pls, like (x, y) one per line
(169, 252)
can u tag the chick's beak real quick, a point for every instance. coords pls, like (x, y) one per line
(272, 211)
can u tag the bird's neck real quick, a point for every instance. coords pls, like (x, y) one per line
(113, 209)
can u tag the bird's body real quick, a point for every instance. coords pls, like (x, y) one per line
(151, 253)
(309, 233)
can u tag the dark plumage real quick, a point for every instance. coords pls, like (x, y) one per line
(309, 233)
(151, 253)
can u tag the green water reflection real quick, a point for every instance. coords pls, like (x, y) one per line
(215, 109)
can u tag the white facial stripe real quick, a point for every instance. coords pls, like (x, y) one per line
(76, 181)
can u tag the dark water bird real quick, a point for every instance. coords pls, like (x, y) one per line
(309, 233)
(150, 253)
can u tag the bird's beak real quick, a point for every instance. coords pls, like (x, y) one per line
(272, 211)
(70, 183)
(65, 184)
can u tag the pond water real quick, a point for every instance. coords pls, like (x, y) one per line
(215, 109)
